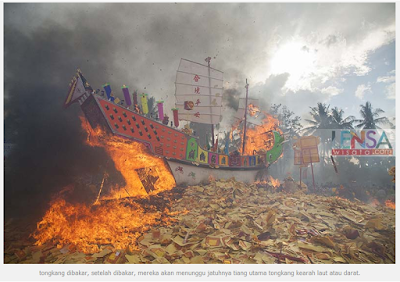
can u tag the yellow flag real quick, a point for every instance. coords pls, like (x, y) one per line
(143, 99)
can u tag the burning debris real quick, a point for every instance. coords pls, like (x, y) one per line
(227, 222)
(115, 222)
(144, 174)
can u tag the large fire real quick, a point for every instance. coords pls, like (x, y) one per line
(117, 223)
(128, 157)
(113, 218)
(261, 137)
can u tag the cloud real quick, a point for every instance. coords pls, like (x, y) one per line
(391, 91)
(331, 91)
(390, 79)
(362, 90)
(386, 79)
(328, 58)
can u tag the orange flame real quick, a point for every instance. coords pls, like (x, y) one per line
(129, 156)
(261, 137)
(253, 110)
(390, 204)
(112, 223)
(117, 222)
(275, 182)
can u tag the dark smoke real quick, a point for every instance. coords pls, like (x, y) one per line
(49, 152)
(231, 98)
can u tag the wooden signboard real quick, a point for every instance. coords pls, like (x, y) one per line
(310, 155)
(306, 152)
(298, 159)
(308, 147)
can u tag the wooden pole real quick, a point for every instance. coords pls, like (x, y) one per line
(312, 171)
(313, 181)
(208, 60)
(300, 177)
(245, 118)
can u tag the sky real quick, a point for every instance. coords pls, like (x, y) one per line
(295, 54)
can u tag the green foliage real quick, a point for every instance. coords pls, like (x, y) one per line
(370, 117)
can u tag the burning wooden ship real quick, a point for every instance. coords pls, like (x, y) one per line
(198, 99)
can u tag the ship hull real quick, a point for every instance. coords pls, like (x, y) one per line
(190, 163)
(193, 174)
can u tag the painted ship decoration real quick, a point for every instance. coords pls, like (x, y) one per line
(198, 95)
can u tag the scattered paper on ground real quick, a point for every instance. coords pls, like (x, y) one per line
(230, 222)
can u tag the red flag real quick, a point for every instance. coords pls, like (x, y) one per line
(215, 149)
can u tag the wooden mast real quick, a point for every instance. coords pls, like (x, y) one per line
(245, 118)
(208, 60)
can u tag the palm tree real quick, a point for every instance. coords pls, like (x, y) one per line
(321, 118)
(339, 122)
(370, 118)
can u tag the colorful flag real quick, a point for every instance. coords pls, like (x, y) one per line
(145, 107)
(226, 149)
(134, 95)
(107, 88)
(176, 118)
(125, 90)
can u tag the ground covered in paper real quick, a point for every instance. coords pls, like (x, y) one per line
(230, 222)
